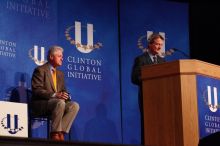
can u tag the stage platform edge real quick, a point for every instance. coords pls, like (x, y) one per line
(14, 141)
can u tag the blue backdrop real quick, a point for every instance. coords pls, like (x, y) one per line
(93, 60)
(99, 118)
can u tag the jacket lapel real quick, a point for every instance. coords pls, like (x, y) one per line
(148, 59)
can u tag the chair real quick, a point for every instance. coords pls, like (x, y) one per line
(36, 117)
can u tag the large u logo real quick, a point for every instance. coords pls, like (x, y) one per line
(35, 58)
(37, 61)
(212, 107)
(84, 48)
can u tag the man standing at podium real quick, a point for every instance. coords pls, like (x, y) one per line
(151, 56)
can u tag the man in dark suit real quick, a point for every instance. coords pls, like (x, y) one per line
(49, 95)
(150, 56)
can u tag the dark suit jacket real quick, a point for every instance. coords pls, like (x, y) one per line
(43, 87)
(141, 60)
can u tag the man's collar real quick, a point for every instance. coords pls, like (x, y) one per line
(150, 54)
(51, 67)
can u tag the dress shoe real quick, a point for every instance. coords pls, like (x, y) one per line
(61, 134)
(55, 136)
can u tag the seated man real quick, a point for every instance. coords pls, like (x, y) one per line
(49, 95)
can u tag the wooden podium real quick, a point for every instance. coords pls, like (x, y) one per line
(170, 101)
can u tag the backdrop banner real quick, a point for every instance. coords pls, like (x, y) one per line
(88, 31)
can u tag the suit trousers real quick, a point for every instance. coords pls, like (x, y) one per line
(62, 114)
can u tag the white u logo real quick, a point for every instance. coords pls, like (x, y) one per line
(84, 48)
(42, 59)
(212, 107)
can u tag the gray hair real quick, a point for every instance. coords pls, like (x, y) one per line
(153, 37)
(52, 51)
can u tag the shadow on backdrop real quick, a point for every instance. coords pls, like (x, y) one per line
(100, 128)
(18, 93)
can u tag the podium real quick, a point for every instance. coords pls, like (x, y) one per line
(170, 101)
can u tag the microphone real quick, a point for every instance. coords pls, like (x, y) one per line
(178, 50)
(167, 52)
(172, 50)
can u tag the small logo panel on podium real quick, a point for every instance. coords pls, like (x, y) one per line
(13, 118)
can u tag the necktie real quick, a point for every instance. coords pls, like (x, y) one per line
(155, 59)
(54, 76)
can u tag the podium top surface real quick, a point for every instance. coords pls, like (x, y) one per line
(184, 66)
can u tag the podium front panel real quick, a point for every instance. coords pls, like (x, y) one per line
(208, 91)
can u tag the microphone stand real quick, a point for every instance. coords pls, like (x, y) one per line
(183, 53)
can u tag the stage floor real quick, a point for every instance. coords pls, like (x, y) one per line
(13, 141)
